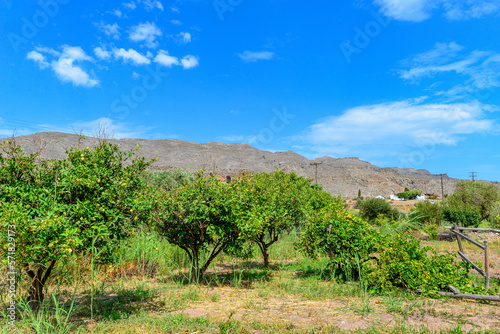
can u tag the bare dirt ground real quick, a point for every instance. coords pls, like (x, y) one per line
(347, 313)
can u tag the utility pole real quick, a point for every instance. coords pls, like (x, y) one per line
(473, 175)
(316, 164)
(442, 187)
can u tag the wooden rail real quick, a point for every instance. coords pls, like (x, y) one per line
(474, 229)
(486, 273)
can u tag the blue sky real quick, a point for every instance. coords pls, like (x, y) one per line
(412, 83)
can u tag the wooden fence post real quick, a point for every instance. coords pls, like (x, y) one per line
(459, 241)
(486, 264)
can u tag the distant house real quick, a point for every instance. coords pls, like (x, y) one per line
(380, 197)
(420, 198)
(396, 198)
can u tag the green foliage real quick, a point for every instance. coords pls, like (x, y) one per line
(371, 208)
(168, 180)
(431, 230)
(476, 197)
(461, 216)
(404, 263)
(199, 217)
(400, 226)
(494, 213)
(407, 194)
(485, 224)
(347, 240)
(275, 203)
(60, 207)
(427, 213)
(272, 205)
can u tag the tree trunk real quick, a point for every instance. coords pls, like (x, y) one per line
(35, 291)
(264, 248)
(265, 253)
(194, 272)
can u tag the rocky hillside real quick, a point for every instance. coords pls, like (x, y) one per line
(344, 176)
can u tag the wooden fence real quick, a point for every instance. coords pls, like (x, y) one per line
(486, 272)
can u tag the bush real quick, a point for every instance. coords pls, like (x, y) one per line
(347, 240)
(409, 194)
(427, 213)
(168, 180)
(371, 208)
(403, 263)
(461, 217)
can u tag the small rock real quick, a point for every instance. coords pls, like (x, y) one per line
(444, 236)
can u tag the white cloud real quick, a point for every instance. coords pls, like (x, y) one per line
(115, 129)
(129, 5)
(101, 53)
(50, 51)
(68, 72)
(406, 10)
(38, 58)
(116, 12)
(152, 4)
(394, 126)
(249, 56)
(132, 56)
(64, 66)
(163, 58)
(189, 61)
(173, 9)
(74, 52)
(145, 33)
(148, 4)
(184, 37)
(112, 30)
(421, 10)
(136, 76)
(477, 69)
(470, 9)
(176, 22)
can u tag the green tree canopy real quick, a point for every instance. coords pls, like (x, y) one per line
(473, 196)
(201, 218)
(59, 207)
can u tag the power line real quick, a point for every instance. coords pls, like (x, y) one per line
(473, 175)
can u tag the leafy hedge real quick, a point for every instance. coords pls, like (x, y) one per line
(409, 194)
(357, 250)
(462, 217)
(404, 263)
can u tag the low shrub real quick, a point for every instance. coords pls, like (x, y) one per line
(371, 209)
(427, 213)
(409, 194)
(403, 263)
(461, 217)
(347, 240)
